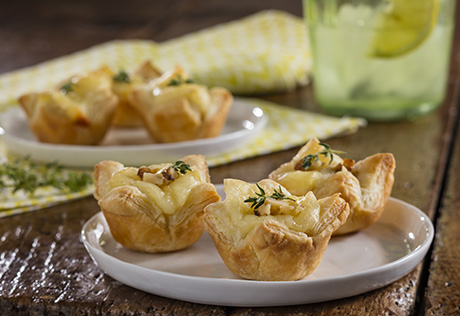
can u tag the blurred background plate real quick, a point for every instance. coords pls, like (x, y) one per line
(131, 146)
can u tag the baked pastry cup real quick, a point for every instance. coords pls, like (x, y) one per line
(282, 239)
(155, 208)
(122, 85)
(174, 109)
(78, 112)
(366, 185)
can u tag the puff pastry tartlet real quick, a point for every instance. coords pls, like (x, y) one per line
(155, 208)
(366, 185)
(122, 85)
(281, 239)
(78, 112)
(174, 109)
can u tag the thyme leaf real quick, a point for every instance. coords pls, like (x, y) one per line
(258, 200)
(309, 160)
(27, 176)
(179, 80)
(122, 76)
(181, 167)
(67, 87)
(261, 197)
(279, 195)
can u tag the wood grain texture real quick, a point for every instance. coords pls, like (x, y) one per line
(395, 299)
(442, 295)
(45, 270)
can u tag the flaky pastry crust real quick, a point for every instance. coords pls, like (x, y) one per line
(154, 208)
(366, 185)
(126, 115)
(78, 112)
(285, 241)
(175, 110)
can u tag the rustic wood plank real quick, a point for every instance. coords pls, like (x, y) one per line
(442, 296)
(395, 299)
(43, 266)
(45, 270)
(32, 32)
(192, 16)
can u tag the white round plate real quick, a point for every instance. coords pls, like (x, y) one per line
(352, 264)
(131, 146)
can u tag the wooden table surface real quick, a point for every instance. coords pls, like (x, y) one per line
(44, 267)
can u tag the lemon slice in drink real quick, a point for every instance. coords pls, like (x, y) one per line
(402, 26)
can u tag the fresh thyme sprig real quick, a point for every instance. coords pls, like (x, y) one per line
(67, 87)
(27, 176)
(122, 76)
(258, 200)
(261, 196)
(179, 80)
(181, 167)
(279, 195)
(308, 160)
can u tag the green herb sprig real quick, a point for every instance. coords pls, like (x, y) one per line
(122, 76)
(279, 195)
(67, 87)
(258, 200)
(181, 167)
(27, 176)
(261, 196)
(309, 160)
(179, 80)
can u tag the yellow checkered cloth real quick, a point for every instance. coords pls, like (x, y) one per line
(266, 52)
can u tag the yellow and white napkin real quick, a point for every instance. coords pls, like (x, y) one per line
(12, 203)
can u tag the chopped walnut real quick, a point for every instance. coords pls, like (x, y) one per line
(298, 165)
(169, 174)
(143, 170)
(158, 177)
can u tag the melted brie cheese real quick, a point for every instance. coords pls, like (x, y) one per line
(87, 91)
(300, 215)
(169, 198)
(299, 182)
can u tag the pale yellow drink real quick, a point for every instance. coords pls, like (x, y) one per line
(352, 76)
